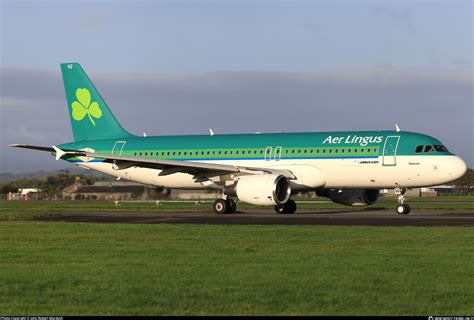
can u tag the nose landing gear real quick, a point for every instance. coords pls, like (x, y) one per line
(402, 208)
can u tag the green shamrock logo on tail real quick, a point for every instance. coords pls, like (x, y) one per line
(83, 106)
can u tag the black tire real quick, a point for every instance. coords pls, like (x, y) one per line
(407, 209)
(401, 209)
(220, 206)
(280, 209)
(231, 206)
(290, 206)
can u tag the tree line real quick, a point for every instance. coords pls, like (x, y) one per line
(51, 186)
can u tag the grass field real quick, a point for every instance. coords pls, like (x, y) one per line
(88, 269)
(31, 209)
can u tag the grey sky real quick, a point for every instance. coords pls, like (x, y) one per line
(183, 67)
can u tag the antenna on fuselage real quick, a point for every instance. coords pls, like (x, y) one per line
(144, 134)
(397, 128)
(211, 132)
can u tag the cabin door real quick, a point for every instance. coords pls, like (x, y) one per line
(277, 153)
(390, 151)
(118, 147)
(268, 153)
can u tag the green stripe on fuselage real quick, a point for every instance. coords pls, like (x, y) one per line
(254, 146)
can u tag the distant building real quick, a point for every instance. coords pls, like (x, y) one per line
(413, 192)
(176, 194)
(106, 191)
(24, 194)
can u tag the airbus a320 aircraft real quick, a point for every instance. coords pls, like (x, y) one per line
(262, 169)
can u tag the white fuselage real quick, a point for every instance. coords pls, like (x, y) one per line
(406, 171)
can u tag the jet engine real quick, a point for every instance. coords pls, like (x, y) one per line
(264, 189)
(351, 197)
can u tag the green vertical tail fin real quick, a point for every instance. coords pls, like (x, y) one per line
(91, 118)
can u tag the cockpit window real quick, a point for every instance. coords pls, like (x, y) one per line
(440, 148)
(419, 149)
(429, 149)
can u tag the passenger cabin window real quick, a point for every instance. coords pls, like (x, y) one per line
(419, 149)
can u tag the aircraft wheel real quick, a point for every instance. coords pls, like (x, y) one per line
(291, 206)
(231, 206)
(407, 209)
(279, 209)
(220, 206)
(403, 209)
(288, 207)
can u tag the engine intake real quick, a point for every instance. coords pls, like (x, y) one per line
(265, 189)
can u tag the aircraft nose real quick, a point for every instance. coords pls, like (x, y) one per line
(457, 168)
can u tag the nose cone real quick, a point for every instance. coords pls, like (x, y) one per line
(457, 168)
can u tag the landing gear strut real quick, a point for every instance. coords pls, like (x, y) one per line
(402, 208)
(287, 207)
(224, 206)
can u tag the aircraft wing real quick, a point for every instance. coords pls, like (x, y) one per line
(198, 169)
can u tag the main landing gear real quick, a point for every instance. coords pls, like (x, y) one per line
(402, 208)
(224, 206)
(288, 207)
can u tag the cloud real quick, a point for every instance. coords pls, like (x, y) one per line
(437, 102)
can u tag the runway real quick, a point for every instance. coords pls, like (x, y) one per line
(268, 217)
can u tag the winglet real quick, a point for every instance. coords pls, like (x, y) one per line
(59, 152)
(397, 127)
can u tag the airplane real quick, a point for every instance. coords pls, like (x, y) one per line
(348, 167)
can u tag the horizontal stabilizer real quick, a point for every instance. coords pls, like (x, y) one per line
(59, 152)
(27, 146)
(62, 152)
